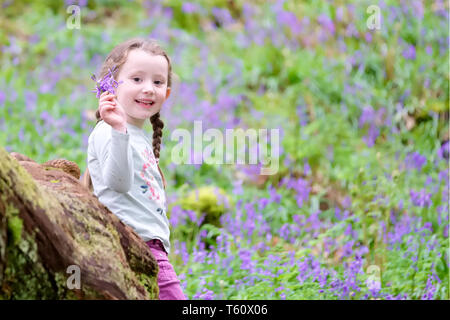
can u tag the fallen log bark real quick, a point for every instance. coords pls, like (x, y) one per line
(51, 227)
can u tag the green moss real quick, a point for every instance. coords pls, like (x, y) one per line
(13, 174)
(25, 278)
(150, 284)
(15, 225)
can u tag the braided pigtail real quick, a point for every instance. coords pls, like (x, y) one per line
(157, 125)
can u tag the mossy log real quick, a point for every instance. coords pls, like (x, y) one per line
(57, 241)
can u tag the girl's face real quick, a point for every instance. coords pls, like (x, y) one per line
(144, 88)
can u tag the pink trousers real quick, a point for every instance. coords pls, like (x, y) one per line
(169, 285)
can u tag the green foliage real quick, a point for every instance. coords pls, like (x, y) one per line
(206, 200)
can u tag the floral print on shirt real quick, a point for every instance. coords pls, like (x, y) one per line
(147, 176)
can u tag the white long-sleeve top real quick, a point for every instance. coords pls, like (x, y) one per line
(127, 181)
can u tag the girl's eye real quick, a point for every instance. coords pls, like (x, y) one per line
(136, 79)
(158, 82)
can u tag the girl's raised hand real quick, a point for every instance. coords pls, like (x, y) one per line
(112, 112)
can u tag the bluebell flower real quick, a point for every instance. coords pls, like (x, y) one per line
(107, 83)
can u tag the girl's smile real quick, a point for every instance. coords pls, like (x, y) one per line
(145, 104)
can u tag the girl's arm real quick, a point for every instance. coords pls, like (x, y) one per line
(113, 147)
(113, 151)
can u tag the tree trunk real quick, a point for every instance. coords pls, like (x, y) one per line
(57, 241)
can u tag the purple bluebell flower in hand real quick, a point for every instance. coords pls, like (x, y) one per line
(106, 84)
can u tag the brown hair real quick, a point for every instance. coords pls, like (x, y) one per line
(116, 59)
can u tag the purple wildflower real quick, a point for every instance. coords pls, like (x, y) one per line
(192, 216)
(302, 115)
(289, 19)
(46, 87)
(2, 97)
(184, 254)
(306, 168)
(301, 187)
(367, 116)
(428, 226)
(246, 258)
(189, 7)
(415, 161)
(262, 203)
(106, 84)
(327, 23)
(340, 13)
(30, 100)
(284, 231)
(62, 56)
(274, 196)
(200, 220)
(21, 135)
(371, 135)
(347, 202)
(444, 151)
(417, 9)
(337, 212)
(176, 216)
(430, 290)
(205, 294)
(421, 198)
(410, 52)
(222, 16)
(81, 3)
(374, 286)
(351, 31)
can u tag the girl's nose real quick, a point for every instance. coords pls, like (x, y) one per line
(148, 88)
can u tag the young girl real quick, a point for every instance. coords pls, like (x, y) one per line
(122, 162)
